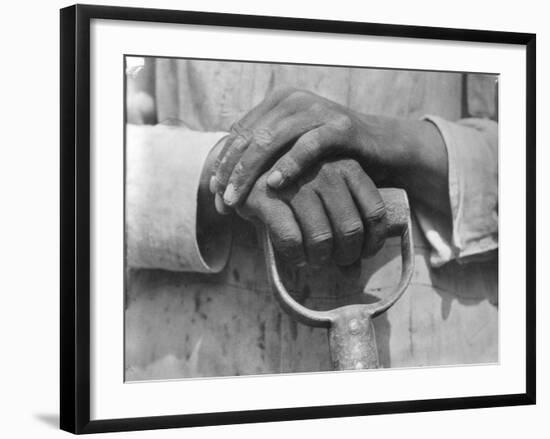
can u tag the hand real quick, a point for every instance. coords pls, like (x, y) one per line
(315, 126)
(335, 210)
(292, 130)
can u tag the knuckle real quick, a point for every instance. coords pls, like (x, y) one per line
(289, 240)
(325, 181)
(288, 245)
(351, 167)
(262, 138)
(328, 170)
(351, 229)
(239, 134)
(342, 122)
(378, 214)
(242, 140)
(320, 239)
(308, 144)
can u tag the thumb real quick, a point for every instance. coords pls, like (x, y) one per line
(306, 152)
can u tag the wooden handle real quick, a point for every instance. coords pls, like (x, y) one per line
(397, 210)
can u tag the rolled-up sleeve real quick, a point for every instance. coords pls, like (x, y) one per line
(472, 147)
(163, 172)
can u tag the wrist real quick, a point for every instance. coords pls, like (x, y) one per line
(416, 160)
(399, 151)
(426, 152)
(387, 149)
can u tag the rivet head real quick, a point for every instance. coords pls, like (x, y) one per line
(354, 326)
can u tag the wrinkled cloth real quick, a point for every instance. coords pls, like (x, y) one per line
(190, 324)
(163, 170)
(472, 149)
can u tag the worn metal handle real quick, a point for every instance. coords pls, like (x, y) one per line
(351, 333)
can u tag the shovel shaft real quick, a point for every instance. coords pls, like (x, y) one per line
(352, 341)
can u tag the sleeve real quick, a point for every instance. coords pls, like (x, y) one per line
(163, 172)
(472, 234)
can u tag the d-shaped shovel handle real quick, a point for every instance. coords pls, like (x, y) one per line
(351, 334)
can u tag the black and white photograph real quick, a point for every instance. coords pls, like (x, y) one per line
(268, 218)
(296, 218)
(275, 220)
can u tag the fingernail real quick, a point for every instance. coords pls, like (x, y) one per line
(220, 205)
(230, 195)
(275, 179)
(213, 184)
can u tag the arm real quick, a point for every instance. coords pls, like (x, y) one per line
(393, 151)
(166, 226)
(171, 222)
(334, 211)
(471, 233)
(292, 130)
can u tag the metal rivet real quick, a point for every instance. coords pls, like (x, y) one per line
(354, 326)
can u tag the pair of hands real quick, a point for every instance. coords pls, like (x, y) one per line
(315, 205)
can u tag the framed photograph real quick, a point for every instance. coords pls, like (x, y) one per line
(275, 218)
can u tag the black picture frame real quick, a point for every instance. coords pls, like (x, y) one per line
(75, 217)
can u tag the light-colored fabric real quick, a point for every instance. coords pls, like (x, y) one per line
(192, 324)
(163, 170)
(472, 148)
(212, 95)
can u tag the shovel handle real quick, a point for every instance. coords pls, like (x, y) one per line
(351, 333)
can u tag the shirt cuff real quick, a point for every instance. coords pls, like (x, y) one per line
(472, 149)
(163, 171)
